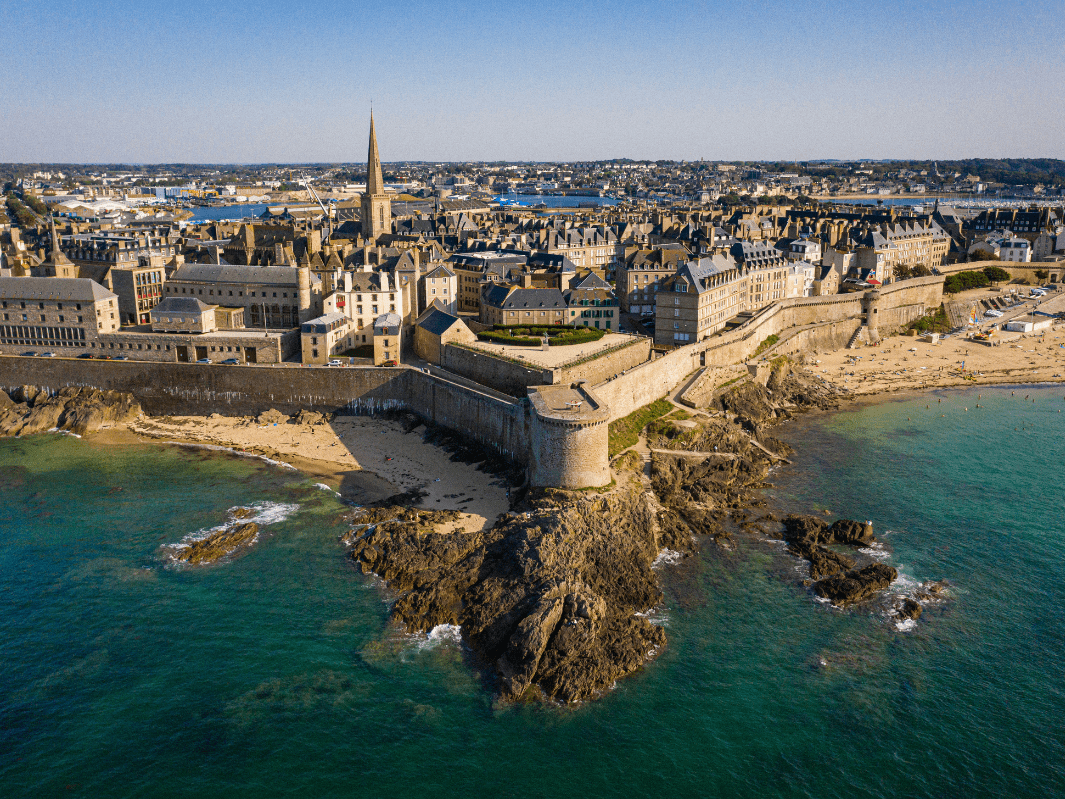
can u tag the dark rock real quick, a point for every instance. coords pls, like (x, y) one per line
(856, 586)
(219, 544)
(80, 410)
(825, 563)
(848, 531)
(906, 608)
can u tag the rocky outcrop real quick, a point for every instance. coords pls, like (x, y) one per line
(226, 540)
(809, 537)
(906, 608)
(79, 410)
(549, 596)
(858, 585)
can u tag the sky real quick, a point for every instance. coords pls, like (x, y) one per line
(265, 82)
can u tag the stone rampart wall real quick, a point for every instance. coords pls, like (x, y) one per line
(514, 378)
(905, 300)
(201, 389)
(502, 375)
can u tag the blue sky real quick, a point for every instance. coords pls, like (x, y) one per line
(268, 81)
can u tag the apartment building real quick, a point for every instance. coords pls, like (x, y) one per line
(363, 296)
(643, 271)
(54, 314)
(699, 299)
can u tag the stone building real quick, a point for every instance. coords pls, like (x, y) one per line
(592, 303)
(60, 315)
(365, 295)
(273, 297)
(387, 339)
(504, 304)
(437, 328)
(698, 300)
(324, 337)
(641, 274)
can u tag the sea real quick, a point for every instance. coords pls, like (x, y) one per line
(277, 673)
(219, 213)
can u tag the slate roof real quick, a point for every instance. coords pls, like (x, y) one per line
(322, 323)
(507, 297)
(221, 273)
(183, 305)
(388, 320)
(53, 288)
(436, 321)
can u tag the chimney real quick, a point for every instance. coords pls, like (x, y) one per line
(279, 254)
(526, 280)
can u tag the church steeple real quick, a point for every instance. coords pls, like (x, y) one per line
(58, 265)
(375, 183)
(376, 205)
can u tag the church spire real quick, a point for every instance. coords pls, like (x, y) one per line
(375, 184)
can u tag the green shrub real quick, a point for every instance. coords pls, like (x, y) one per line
(769, 342)
(625, 432)
(963, 281)
(996, 274)
(500, 337)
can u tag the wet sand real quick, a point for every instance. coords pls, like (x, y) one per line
(362, 458)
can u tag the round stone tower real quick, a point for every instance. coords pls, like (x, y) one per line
(871, 310)
(568, 437)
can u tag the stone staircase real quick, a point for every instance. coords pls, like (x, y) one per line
(858, 338)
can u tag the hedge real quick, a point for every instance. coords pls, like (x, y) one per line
(532, 335)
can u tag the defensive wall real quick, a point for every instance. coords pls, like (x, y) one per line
(514, 377)
(498, 422)
(564, 445)
(897, 304)
(559, 430)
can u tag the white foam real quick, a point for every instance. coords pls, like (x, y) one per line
(440, 634)
(667, 557)
(233, 451)
(906, 625)
(656, 616)
(266, 513)
(63, 432)
(324, 487)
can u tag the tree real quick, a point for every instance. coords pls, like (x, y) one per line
(1042, 274)
(996, 274)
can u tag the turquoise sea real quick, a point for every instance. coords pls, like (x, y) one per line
(277, 674)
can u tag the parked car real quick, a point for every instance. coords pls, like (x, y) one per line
(29, 354)
(334, 362)
(120, 358)
(390, 363)
(204, 360)
(88, 356)
(232, 361)
(46, 355)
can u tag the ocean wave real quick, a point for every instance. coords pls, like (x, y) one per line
(324, 487)
(906, 625)
(266, 513)
(657, 616)
(439, 635)
(667, 557)
(63, 432)
(233, 451)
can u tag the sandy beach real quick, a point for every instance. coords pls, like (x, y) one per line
(362, 458)
(902, 363)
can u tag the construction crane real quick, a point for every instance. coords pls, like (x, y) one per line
(317, 199)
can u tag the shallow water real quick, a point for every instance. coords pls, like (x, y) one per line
(277, 673)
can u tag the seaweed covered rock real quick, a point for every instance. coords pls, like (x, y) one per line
(79, 410)
(857, 585)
